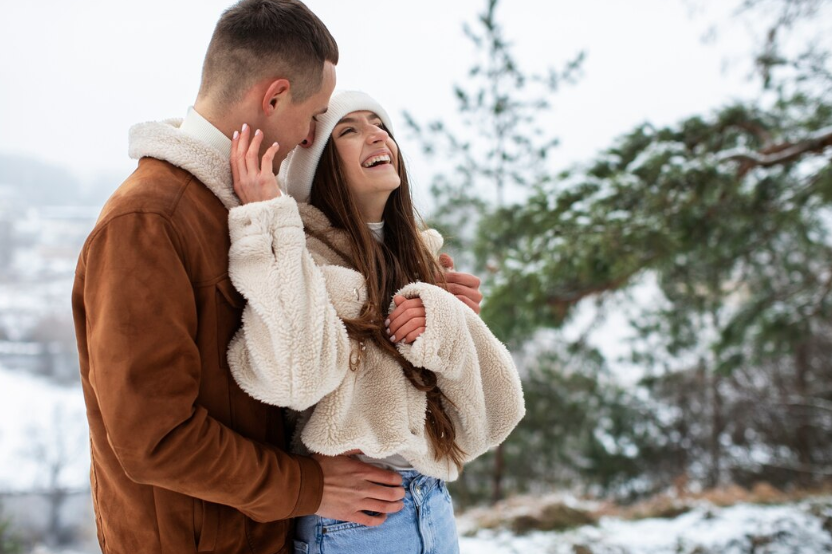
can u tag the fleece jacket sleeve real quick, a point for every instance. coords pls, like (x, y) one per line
(293, 349)
(145, 369)
(473, 368)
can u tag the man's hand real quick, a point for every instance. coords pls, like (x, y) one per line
(464, 286)
(352, 488)
(407, 321)
(253, 181)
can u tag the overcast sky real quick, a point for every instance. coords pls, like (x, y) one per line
(75, 74)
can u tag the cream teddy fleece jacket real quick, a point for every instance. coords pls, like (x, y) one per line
(293, 349)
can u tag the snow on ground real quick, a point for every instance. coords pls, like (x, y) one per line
(743, 528)
(42, 425)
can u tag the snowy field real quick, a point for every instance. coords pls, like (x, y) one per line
(43, 434)
(803, 528)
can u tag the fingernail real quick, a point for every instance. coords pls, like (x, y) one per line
(387, 323)
(236, 134)
(275, 144)
(257, 132)
(393, 338)
(245, 126)
(388, 330)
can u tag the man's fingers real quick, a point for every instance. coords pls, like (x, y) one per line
(367, 520)
(459, 290)
(464, 279)
(383, 507)
(470, 303)
(446, 261)
(383, 482)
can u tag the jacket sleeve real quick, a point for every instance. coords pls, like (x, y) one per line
(473, 368)
(293, 349)
(145, 370)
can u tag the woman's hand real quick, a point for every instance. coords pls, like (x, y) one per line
(253, 181)
(407, 321)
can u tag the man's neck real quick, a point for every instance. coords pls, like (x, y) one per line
(212, 115)
(200, 128)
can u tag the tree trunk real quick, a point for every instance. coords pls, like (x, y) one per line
(717, 425)
(497, 492)
(803, 431)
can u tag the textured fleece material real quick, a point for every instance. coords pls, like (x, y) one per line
(293, 349)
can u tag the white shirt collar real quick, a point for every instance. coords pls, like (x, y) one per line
(201, 129)
(377, 229)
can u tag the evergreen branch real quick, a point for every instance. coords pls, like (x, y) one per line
(561, 303)
(802, 468)
(814, 403)
(779, 154)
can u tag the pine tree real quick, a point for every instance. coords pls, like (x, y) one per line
(729, 214)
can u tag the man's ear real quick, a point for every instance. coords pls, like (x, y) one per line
(279, 91)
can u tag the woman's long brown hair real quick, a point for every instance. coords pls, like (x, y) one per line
(387, 266)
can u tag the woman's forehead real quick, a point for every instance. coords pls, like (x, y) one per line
(359, 115)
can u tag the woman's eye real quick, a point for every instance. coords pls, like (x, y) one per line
(346, 131)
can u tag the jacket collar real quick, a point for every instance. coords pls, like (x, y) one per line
(164, 141)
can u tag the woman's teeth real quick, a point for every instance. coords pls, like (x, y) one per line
(376, 160)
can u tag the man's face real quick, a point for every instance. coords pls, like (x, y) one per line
(295, 121)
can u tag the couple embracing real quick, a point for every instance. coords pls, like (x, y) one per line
(273, 357)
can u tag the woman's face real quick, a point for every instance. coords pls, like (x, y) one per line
(369, 156)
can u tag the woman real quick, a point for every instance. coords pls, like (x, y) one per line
(324, 269)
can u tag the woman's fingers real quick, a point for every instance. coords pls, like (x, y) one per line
(235, 165)
(409, 326)
(267, 169)
(253, 153)
(242, 149)
(253, 181)
(404, 312)
(413, 335)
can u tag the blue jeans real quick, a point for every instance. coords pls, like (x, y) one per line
(424, 526)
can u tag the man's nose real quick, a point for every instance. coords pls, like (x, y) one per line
(310, 137)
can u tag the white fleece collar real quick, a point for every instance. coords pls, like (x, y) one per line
(164, 141)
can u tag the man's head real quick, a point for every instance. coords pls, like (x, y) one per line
(270, 63)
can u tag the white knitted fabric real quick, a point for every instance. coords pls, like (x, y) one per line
(298, 170)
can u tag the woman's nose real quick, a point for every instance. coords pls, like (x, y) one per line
(376, 134)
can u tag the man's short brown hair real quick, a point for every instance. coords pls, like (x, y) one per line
(260, 39)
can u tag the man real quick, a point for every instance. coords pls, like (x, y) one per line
(183, 460)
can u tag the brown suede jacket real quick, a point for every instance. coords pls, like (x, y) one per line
(182, 459)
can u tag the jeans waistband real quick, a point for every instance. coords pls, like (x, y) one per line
(418, 484)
